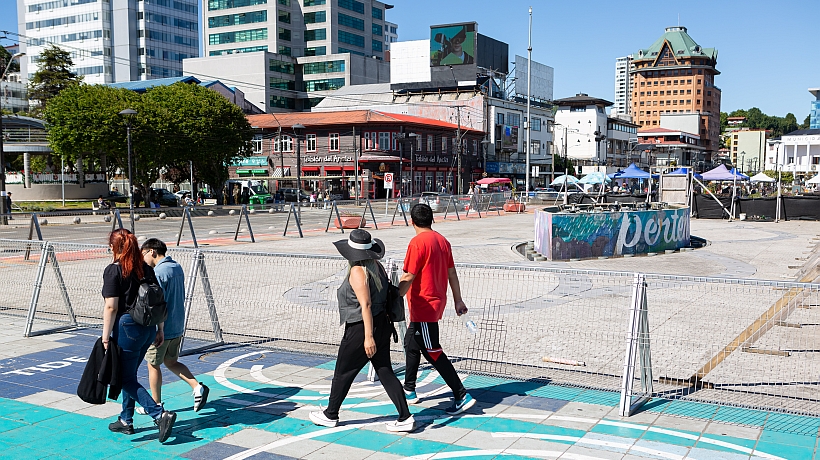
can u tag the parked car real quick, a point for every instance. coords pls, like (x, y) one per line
(290, 195)
(438, 201)
(165, 197)
(116, 197)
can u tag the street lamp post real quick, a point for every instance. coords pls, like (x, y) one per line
(742, 160)
(3, 211)
(297, 128)
(129, 114)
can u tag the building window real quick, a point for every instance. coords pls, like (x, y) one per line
(282, 83)
(256, 144)
(578, 109)
(284, 34)
(238, 19)
(324, 84)
(316, 51)
(377, 13)
(351, 39)
(536, 124)
(226, 4)
(283, 143)
(249, 49)
(282, 102)
(377, 45)
(333, 142)
(238, 36)
(514, 119)
(310, 68)
(275, 65)
(352, 5)
(310, 142)
(315, 34)
(284, 16)
(285, 50)
(499, 118)
(429, 143)
(443, 144)
(315, 17)
(418, 143)
(313, 2)
(377, 29)
(350, 21)
(384, 141)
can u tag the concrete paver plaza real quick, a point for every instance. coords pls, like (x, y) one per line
(260, 399)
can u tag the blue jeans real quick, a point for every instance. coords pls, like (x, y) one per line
(134, 340)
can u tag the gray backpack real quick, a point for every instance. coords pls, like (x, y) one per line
(149, 307)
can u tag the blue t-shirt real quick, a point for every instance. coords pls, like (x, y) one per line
(172, 280)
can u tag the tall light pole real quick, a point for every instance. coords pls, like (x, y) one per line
(297, 128)
(528, 124)
(129, 115)
(3, 216)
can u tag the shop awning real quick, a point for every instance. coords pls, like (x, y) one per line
(385, 158)
(310, 169)
(349, 168)
(333, 168)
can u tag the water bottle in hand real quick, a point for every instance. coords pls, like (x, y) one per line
(470, 324)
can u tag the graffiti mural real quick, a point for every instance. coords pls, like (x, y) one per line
(563, 236)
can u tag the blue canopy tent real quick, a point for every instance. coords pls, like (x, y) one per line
(685, 171)
(633, 172)
(740, 175)
(596, 177)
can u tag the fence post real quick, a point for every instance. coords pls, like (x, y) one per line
(198, 270)
(333, 209)
(296, 219)
(637, 352)
(244, 212)
(33, 225)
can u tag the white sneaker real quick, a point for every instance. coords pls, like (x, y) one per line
(200, 395)
(141, 410)
(401, 427)
(319, 418)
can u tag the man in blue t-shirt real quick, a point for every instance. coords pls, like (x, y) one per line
(172, 280)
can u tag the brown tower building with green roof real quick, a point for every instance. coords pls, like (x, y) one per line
(677, 76)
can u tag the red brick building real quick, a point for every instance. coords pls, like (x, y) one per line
(331, 143)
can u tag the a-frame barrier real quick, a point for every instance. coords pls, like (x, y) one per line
(186, 215)
(334, 210)
(474, 204)
(48, 256)
(400, 207)
(452, 201)
(199, 272)
(372, 215)
(292, 211)
(243, 213)
(638, 357)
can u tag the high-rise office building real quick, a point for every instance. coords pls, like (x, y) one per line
(676, 75)
(623, 86)
(295, 28)
(391, 34)
(814, 115)
(111, 41)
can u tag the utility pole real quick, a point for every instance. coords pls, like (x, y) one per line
(458, 149)
(356, 155)
(528, 123)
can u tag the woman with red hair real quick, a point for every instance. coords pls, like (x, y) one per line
(121, 282)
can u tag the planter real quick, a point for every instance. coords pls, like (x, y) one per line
(350, 222)
(511, 206)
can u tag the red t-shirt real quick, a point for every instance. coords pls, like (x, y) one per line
(429, 257)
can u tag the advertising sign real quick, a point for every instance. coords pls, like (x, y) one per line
(542, 78)
(452, 44)
(388, 181)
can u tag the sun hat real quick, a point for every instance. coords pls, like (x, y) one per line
(360, 246)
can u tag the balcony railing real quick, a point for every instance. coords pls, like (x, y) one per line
(25, 136)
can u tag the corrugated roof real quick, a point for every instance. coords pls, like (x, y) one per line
(345, 118)
(144, 85)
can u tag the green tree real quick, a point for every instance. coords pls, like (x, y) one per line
(785, 176)
(724, 121)
(52, 76)
(806, 123)
(4, 60)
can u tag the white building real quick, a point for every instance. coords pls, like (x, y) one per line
(13, 94)
(112, 41)
(296, 27)
(580, 129)
(623, 86)
(797, 152)
(391, 34)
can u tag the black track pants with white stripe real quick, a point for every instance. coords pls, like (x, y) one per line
(422, 339)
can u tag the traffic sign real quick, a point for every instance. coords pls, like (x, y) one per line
(388, 181)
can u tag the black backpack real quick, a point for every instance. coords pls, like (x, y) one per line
(149, 307)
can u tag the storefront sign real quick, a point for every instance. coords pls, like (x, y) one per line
(327, 158)
(251, 161)
(435, 159)
(506, 168)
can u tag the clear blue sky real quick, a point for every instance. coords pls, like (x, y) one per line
(767, 51)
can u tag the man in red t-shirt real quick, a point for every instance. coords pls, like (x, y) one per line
(428, 269)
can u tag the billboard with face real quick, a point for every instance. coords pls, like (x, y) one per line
(452, 44)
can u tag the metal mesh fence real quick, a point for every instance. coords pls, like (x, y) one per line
(732, 342)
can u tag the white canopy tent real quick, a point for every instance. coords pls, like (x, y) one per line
(761, 177)
(814, 180)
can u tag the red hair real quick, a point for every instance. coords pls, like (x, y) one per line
(126, 251)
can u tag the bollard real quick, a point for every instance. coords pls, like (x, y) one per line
(232, 212)
(162, 216)
(77, 220)
(211, 213)
(43, 222)
(136, 217)
(107, 218)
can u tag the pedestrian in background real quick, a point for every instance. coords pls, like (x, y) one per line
(362, 302)
(172, 280)
(236, 193)
(428, 269)
(8, 203)
(121, 282)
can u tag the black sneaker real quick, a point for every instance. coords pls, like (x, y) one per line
(120, 427)
(165, 423)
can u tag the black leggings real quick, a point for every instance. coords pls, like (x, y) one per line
(422, 339)
(352, 359)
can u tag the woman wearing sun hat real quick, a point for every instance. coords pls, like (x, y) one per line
(362, 300)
